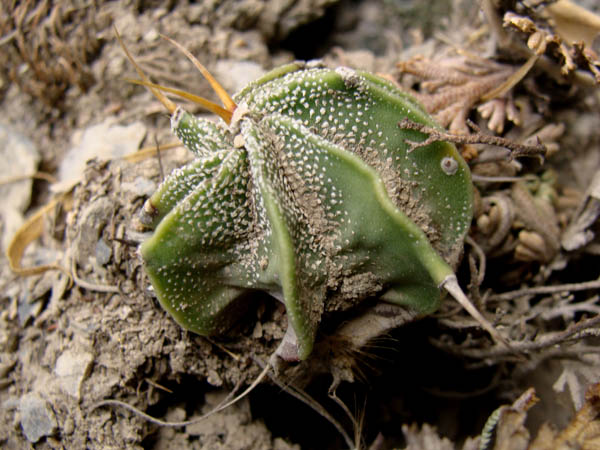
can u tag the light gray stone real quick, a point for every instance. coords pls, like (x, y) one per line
(72, 368)
(104, 141)
(20, 157)
(37, 418)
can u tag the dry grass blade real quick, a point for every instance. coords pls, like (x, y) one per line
(204, 103)
(223, 405)
(29, 232)
(228, 102)
(149, 152)
(168, 104)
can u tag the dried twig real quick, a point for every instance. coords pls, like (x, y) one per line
(587, 285)
(577, 331)
(226, 403)
(221, 406)
(91, 286)
(299, 394)
(435, 135)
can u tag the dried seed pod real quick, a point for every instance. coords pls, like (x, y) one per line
(309, 192)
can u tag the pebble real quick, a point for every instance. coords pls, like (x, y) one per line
(235, 75)
(104, 141)
(72, 368)
(103, 252)
(37, 418)
(24, 158)
(141, 187)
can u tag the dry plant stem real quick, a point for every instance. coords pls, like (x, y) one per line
(226, 403)
(377, 444)
(168, 104)
(159, 159)
(8, 37)
(586, 285)
(29, 231)
(481, 256)
(91, 286)
(37, 176)
(147, 152)
(435, 135)
(159, 386)
(309, 401)
(477, 273)
(356, 422)
(223, 349)
(512, 80)
(227, 101)
(570, 309)
(575, 331)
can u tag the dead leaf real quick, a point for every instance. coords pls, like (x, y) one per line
(574, 23)
(29, 232)
(578, 233)
(505, 429)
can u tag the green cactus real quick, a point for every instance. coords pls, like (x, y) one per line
(309, 192)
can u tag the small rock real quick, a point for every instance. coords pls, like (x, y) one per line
(20, 157)
(151, 36)
(103, 252)
(142, 187)
(27, 310)
(69, 426)
(92, 221)
(235, 75)
(72, 368)
(7, 362)
(37, 417)
(104, 141)
(213, 378)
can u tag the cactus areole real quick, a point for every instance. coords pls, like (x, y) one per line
(309, 192)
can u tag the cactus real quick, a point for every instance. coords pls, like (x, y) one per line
(308, 191)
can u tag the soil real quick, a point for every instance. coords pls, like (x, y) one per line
(66, 346)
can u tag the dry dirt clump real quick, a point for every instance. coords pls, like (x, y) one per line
(516, 86)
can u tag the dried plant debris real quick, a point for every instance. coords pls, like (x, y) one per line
(527, 221)
(47, 47)
(521, 220)
(580, 231)
(425, 438)
(450, 87)
(507, 424)
(564, 31)
(505, 429)
(455, 81)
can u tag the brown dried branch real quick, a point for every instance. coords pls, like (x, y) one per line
(569, 287)
(574, 332)
(435, 135)
(566, 36)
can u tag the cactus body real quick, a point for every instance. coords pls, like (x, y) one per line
(310, 194)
